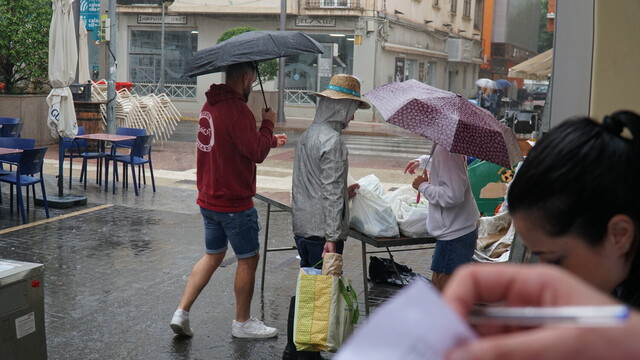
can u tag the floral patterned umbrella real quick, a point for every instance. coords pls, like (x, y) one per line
(447, 119)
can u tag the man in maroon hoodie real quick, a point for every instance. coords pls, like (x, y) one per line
(228, 149)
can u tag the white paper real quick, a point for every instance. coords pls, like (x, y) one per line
(414, 324)
(25, 325)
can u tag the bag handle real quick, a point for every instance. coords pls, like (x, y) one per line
(351, 299)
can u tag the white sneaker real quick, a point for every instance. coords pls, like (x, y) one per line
(252, 329)
(180, 323)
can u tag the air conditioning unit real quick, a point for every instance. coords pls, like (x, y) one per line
(459, 50)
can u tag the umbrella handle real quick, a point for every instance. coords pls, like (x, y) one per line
(264, 98)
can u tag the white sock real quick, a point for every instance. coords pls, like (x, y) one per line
(182, 313)
(241, 323)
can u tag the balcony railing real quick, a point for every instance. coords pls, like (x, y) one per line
(333, 4)
(298, 97)
(175, 91)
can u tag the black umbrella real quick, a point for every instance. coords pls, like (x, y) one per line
(250, 46)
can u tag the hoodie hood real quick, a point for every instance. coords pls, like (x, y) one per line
(335, 112)
(218, 93)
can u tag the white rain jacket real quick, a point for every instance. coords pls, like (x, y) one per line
(452, 209)
(319, 186)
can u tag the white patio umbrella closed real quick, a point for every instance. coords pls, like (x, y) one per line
(63, 59)
(83, 54)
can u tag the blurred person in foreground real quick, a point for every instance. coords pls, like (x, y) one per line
(319, 194)
(536, 286)
(229, 146)
(575, 202)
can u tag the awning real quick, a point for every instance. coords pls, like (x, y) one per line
(536, 68)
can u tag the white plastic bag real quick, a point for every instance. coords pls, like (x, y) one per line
(372, 183)
(412, 217)
(371, 215)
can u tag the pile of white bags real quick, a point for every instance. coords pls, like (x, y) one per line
(410, 215)
(377, 214)
(370, 213)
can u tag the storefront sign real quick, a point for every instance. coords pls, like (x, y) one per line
(90, 13)
(157, 19)
(304, 21)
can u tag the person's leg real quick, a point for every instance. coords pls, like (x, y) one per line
(216, 246)
(242, 230)
(199, 278)
(244, 285)
(449, 254)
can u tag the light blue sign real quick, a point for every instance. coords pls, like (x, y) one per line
(90, 13)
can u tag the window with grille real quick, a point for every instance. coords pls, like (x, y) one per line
(454, 6)
(145, 55)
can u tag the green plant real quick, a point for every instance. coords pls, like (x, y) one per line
(24, 44)
(545, 38)
(268, 69)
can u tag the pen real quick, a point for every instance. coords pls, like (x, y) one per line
(556, 316)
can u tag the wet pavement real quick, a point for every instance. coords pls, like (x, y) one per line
(116, 267)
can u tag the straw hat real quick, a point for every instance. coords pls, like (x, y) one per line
(345, 87)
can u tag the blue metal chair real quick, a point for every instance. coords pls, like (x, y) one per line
(9, 120)
(30, 163)
(11, 159)
(140, 154)
(11, 130)
(74, 148)
(15, 143)
(128, 144)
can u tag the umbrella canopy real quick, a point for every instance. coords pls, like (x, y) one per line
(63, 59)
(502, 83)
(83, 54)
(486, 83)
(447, 119)
(537, 68)
(250, 46)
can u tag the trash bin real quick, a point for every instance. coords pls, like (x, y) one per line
(22, 333)
(488, 185)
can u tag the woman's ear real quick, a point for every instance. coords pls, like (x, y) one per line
(621, 233)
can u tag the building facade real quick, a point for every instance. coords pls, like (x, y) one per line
(434, 41)
(512, 33)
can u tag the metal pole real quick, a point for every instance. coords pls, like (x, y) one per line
(283, 27)
(161, 83)
(111, 82)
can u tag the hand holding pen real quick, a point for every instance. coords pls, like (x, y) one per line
(543, 287)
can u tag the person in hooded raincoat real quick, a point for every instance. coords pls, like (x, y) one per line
(320, 196)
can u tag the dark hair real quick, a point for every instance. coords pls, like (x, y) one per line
(578, 177)
(234, 71)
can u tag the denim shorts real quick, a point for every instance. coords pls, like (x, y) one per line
(240, 229)
(450, 254)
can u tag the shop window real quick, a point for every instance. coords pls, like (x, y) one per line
(308, 73)
(145, 56)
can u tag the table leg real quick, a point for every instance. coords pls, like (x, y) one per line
(266, 246)
(393, 263)
(365, 280)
